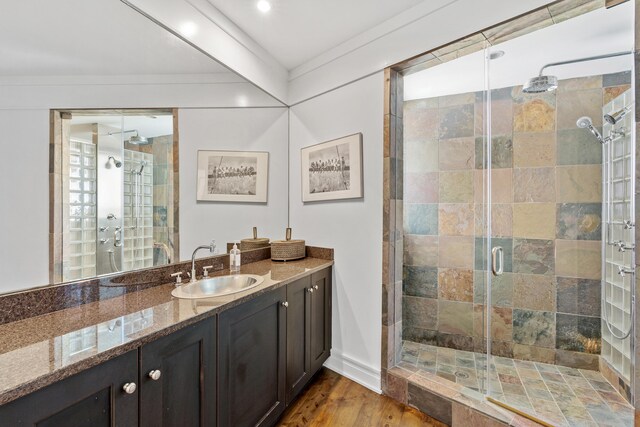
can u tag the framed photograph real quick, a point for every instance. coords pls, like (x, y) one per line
(232, 176)
(332, 170)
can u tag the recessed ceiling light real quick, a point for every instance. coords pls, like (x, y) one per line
(264, 6)
(188, 29)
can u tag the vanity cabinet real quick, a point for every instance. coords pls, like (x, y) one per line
(178, 378)
(308, 329)
(251, 361)
(320, 319)
(117, 393)
(298, 336)
(94, 397)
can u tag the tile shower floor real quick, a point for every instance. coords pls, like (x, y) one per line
(556, 394)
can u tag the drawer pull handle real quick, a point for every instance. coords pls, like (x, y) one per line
(155, 374)
(285, 304)
(129, 388)
(315, 287)
(310, 290)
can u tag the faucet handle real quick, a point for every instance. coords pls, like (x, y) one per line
(212, 246)
(206, 270)
(178, 277)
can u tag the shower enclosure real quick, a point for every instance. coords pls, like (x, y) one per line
(518, 223)
(116, 193)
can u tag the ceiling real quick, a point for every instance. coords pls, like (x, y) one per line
(595, 33)
(49, 38)
(295, 31)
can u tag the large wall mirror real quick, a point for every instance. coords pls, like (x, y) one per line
(103, 114)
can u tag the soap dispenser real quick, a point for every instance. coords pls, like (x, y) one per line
(234, 259)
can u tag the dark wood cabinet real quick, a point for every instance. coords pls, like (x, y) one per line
(94, 397)
(251, 361)
(241, 369)
(178, 378)
(308, 329)
(298, 339)
(320, 318)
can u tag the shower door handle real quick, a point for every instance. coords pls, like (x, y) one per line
(497, 257)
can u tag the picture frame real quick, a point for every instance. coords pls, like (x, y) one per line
(332, 170)
(232, 176)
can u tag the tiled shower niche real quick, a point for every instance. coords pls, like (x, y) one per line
(546, 214)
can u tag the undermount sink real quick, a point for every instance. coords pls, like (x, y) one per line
(217, 286)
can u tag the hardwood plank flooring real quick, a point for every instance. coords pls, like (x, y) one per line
(333, 400)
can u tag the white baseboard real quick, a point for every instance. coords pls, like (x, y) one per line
(354, 370)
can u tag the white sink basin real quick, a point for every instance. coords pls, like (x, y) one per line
(217, 286)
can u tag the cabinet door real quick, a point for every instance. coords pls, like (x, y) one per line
(320, 318)
(251, 361)
(183, 391)
(298, 328)
(94, 397)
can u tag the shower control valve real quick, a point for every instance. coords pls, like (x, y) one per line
(105, 228)
(622, 246)
(623, 271)
(628, 225)
(104, 241)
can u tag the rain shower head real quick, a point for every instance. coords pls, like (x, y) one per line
(541, 84)
(586, 123)
(116, 162)
(137, 140)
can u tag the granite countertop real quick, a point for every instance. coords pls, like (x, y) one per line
(39, 351)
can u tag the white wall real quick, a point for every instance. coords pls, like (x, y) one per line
(352, 227)
(24, 199)
(241, 129)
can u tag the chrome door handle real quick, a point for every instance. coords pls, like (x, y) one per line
(497, 254)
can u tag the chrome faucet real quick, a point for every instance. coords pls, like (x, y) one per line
(212, 249)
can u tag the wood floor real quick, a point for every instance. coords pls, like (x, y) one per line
(333, 400)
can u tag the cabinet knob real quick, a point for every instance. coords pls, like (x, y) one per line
(129, 388)
(285, 304)
(155, 374)
(315, 287)
(310, 290)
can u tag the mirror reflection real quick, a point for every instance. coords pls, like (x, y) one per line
(117, 191)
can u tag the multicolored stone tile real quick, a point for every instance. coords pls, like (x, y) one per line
(579, 221)
(456, 154)
(578, 296)
(534, 292)
(421, 218)
(579, 184)
(456, 219)
(534, 220)
(455, 284)
(420, 281)
(420, 156)
(501, 152)
(578, 333)
(455, 317)
(578, 147)
(533, 256)
(419, 312)
(456, 187)
(535, 114)
(482, 254)
(456, 122)
(574, 104)
(534, 149)
(536, 328)
(421, 187)
(455, 252)
(420, 250)
(534, 185)
(578, 258)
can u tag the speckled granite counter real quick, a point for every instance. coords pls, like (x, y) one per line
(39, 351)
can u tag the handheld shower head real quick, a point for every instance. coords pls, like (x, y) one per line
(116, 162)
(143, 163)
(586, 123)
(614, 118)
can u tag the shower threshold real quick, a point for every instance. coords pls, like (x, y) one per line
(557, 395)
